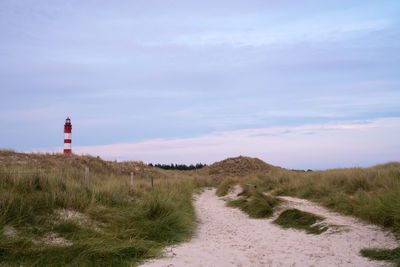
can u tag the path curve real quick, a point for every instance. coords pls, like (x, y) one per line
(228, 237)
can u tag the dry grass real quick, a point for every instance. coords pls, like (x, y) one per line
(113, 223)
(125, 224)
(237, 167)
(371, 194)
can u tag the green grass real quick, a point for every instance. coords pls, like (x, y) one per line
(294, 218)
(255, 203)
(224, 186)
(392, 255)
(124, 225)
(121, 225)
(371, 194)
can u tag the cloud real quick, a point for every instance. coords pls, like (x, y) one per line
(296, 32)
(127, 72)
(308, 146)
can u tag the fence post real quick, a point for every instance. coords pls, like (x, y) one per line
(152, 182)
(131, 178)
(87, 177)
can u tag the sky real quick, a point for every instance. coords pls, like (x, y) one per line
(299, 84)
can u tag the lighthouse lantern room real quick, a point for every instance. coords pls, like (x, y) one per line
(67, 136)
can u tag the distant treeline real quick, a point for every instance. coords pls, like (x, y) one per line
(181, 167)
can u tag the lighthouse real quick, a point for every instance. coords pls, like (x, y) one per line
(67, 136)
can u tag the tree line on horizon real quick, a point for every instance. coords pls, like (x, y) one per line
(181, 167)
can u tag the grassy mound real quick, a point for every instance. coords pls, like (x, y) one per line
(255, 203)
(10, 159)
(372, 194)
(224, 186)
(49, 218)
(294, 218)
(392, 255)
(238, 166)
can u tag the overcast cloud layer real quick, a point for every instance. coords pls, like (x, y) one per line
(137, 75)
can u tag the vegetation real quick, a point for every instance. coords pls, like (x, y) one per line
(294, 218)
(181, 167)
(255, 203)
(383, 254)
(48, 217)
(237, 167)
(224, 186)
(372, 194)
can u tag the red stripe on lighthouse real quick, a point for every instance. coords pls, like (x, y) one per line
(67, 136)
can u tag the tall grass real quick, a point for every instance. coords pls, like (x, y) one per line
(224, 187)
(372, 194)
(255, 203)
(122, 225)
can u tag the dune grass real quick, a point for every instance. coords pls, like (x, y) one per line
(118, 225)
(294, 218)
(255, 203)
(224, 186)
(372, 194)
(392, 255)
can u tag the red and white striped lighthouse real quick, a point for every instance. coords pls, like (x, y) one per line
(67, 136)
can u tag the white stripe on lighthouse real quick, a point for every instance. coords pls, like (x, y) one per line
(67, 136)
(67, 145)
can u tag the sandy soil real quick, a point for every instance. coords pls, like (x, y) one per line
(228, 237)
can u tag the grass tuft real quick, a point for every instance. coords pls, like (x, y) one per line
(224, 186)
(255, 203)
(392, 255)
(294, 218)
(371, 194)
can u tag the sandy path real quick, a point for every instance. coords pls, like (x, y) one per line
(228, 237)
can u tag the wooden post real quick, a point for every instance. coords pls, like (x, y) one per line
(131, 178)
(251, 185)
(87, 177)
(152, 182)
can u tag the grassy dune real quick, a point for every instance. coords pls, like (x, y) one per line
(48, 217)
(372, 194)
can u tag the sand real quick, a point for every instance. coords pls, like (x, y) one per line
(228, 237)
